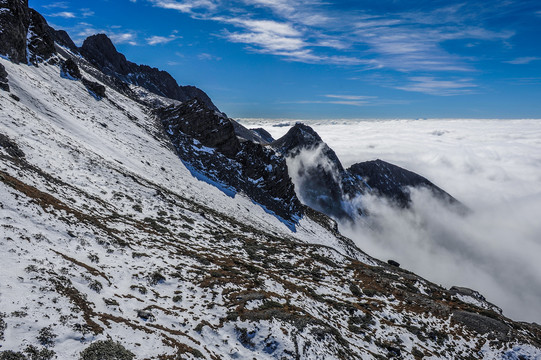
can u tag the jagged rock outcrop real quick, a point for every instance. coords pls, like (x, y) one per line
(100, 51)
(14, 22)
(245, 134)
(95, 89)
(25, 36)
(62, 38)
(3, 78)
(206, 142)
(70, 70)
(393, 181)
(320, 179)
(473, 297)
(10, 147)
(40, 39)
(263, 134)
(208, 126)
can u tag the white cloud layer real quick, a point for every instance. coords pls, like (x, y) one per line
(492, 166)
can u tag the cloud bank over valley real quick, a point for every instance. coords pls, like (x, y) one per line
(491, 166)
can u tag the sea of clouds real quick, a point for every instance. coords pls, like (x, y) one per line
(491, 166)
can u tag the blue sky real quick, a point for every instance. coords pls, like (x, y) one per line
(331, 59)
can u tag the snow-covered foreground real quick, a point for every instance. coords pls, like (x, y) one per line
(105, 234)
(492, 166)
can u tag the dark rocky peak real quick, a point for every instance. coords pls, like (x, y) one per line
(100, 51)
(302, 137)
(263, 134)
(14, 22)
(208, 126)
(393, 181)
(298, 137)
(320, 179)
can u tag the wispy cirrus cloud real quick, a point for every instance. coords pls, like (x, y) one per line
(87, 12)
(188, 6)
(351, 100)
(434, 86)
(523, 60)
(56, 4)
(63, 14)
(406, 41)
(208, 57)
(157, 39)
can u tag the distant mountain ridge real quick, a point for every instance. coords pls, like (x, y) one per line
(100, 51)
(27, 38)
(324, 184)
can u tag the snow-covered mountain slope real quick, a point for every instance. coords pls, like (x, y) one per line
(106, 235)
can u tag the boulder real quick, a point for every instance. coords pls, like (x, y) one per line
(95, 89)
(70, 70)
(3, 78)
(393, 263)
(10, 147)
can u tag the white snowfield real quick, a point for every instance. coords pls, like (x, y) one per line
(104, 234)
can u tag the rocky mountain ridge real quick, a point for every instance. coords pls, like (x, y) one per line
(111, 246)
(27, 38)
(325, 185)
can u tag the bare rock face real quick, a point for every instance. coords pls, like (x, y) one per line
(70, 70)
(95, 89)
(63, 39)
(100, 51)
(3, 78)
(25, 36)
(263, 134)
(14, 22)
(40, 39)
(393, 181)
(209, 127)
(208, 145)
